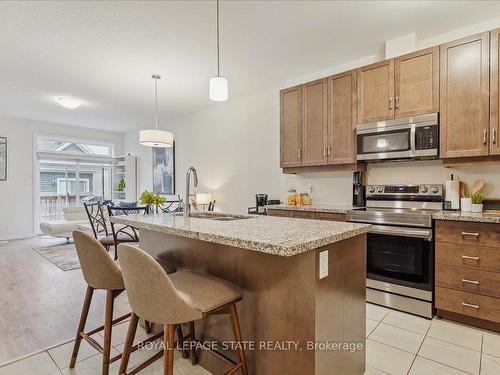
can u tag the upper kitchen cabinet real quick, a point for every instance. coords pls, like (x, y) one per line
(464, 97)
(314, 125)
(341, 141)
(416, 83)
(376, 92)
(291, 127)
(494, 93)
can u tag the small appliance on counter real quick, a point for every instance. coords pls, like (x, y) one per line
(452, 195)
(358, 189)
(261, 203)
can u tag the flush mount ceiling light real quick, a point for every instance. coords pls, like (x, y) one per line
(218, 84)
(68, 102)
(155, 137)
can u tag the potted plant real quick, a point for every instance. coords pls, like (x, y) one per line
(122, 184)
(151, 200)
(477, 202)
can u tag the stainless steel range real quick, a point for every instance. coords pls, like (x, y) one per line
(400, 248)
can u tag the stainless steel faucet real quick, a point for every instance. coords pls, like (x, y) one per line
(187, 203)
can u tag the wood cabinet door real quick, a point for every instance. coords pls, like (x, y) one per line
(464, 97)
(291, 127)
(341, 138)
(376, 92)
(494, 93)
(416, 83)
(314, 123)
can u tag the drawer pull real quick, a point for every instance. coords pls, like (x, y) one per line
(470, 305)
(475, 282)
(470, 234)
(469, 257)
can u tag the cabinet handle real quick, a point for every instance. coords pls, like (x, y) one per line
(469, 257)
(391, 102)
(470, 305)
(329, 150)
(324, 151)
(475, 282)
(299, 153)
(485, 136)
(470, 234)
(494, 136)
(397, 102)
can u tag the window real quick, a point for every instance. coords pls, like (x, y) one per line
(69, 146)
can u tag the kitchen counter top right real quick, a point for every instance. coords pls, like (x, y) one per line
(484, 217)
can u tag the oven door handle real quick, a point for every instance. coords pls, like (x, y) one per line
(402, 231)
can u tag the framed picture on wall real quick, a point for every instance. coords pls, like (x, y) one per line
(164, 170)
(3, 159)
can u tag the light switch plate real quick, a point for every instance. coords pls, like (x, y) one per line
(323, 264)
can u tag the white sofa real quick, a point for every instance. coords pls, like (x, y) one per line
(74, 218)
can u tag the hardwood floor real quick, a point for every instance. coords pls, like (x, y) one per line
(39, 304)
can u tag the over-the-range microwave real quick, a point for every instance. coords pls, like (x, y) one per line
(405, 138)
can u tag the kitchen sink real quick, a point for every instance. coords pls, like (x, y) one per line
(216, 217)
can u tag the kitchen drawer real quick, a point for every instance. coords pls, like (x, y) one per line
(303, 215)
(330, 216)
(470, 304)
(282, 213)
(468, 256)
(467, 280)
(468, 233)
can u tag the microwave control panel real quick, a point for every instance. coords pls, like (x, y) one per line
(426, 137)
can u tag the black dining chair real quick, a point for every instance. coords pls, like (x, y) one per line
(121, 232)
(99, 223)
(172, 206)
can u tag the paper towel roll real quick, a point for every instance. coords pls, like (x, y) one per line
(453, 194)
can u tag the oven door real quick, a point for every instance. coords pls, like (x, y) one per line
(385, 143)
(401, 255)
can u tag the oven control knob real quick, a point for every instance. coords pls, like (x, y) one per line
(372, 189)
(425, 189)
(434, 189)
(380, 189)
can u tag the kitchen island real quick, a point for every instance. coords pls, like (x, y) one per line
(303, 282)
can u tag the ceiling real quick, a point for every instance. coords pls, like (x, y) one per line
(105, 52)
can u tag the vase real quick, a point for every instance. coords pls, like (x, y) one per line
(477, 208)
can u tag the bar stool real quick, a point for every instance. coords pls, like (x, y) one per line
(182, 297)
(100, 272)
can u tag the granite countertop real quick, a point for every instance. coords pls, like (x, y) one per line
(271, 235)
(336, 209)
(484, 217)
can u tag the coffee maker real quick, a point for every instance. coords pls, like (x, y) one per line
(260, 203)
(358, 189)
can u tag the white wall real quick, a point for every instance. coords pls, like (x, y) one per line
(16, 194)
(235, 148)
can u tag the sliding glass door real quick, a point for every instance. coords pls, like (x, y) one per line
(63, 184)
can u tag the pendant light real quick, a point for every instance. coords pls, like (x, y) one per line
(218, 84)
(155, 137)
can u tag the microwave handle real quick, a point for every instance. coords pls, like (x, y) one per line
(412, 140)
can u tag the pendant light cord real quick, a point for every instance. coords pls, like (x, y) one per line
(156, 101)
(218, 59)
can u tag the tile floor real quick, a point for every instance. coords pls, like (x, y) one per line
(397, 343)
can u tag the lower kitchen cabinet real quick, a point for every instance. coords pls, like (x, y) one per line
(467, 272)
(307, 215)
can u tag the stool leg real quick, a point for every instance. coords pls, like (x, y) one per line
(108, 319)
(169, 349)
(192, 333)
(180, 340)
(148, 326)
(81, 325)
(237, 335)
(129, 342)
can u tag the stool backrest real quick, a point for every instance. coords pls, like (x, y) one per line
(151, 294)
(99, 269)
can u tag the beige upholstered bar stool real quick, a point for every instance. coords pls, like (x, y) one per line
(100, 272)
(181, 297)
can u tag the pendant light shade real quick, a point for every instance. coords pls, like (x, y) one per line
(218, 89)
(218, 84)
(156, 137)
